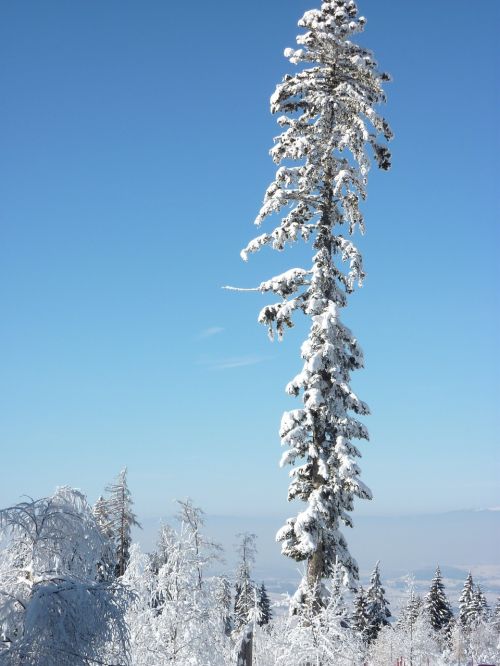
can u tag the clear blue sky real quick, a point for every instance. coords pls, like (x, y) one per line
(134, 156)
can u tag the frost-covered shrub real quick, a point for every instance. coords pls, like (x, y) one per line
(177, 615)
(315, 637)
(58, 604)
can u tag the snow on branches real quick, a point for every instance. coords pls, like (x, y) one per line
(330, 127)
(59, 603)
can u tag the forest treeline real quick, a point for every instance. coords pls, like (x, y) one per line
(75, 590)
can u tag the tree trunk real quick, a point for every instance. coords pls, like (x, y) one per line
(316, 562)
(245, 657)
(315, 571)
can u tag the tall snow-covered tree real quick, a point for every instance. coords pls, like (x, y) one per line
(121, 519)
(378, 606)
(436, 604)
(329, 126)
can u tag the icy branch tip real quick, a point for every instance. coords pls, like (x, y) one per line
(229, 288)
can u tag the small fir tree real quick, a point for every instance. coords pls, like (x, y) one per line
(223, 601)
(266, 614)
(436, 604)
(103, 521)
(244, 600)
(496, 616)
(480, 608)
(466, 603)
(329, 123)
(101, 515)
(378, 606)
(360, 619)
(336, 602)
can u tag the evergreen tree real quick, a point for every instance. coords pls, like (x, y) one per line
(223, 601)
(496, 616)
(480, 609)
(466, 603)
(264, 603)
(102, 518)
(360, 619)
(436, 604)
(122, 519)
(336, 602)
(329, 125)
(378, 606)
(103, 521)
(244, 600)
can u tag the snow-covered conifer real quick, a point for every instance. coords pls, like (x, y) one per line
(121, 519)
(378, 606)
(223, 603)
(436, 604)
(480, 608)
(103, 520)
(337, 601)
(266, 614)
(360, 619)
(244, 587)
(496, 616)
(483, 603)
(329, 121)
(466, 602)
